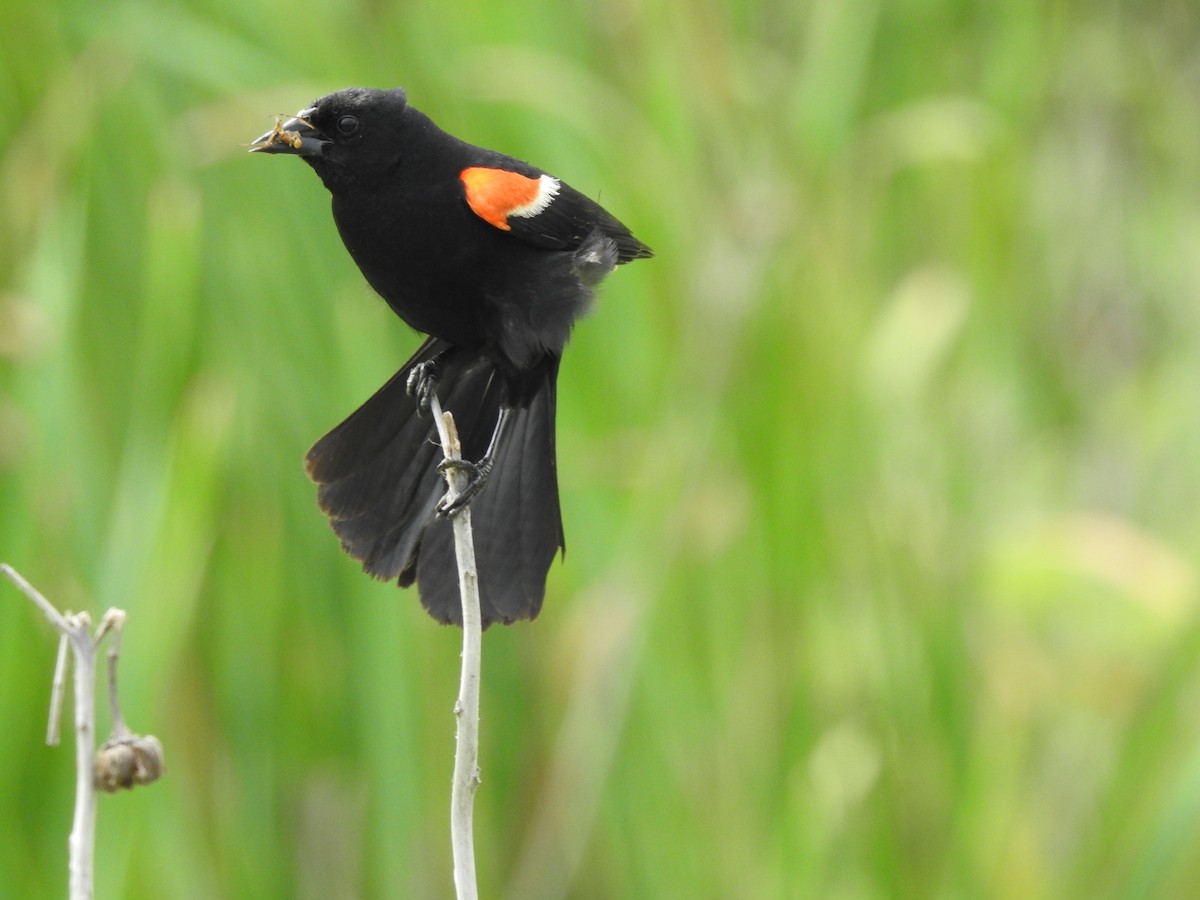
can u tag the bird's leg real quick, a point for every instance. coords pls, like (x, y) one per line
(449, 507)
(423, 381)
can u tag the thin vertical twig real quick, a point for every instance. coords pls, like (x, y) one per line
(466, 709)
(114, 621)
(82, 841)
(57, 689)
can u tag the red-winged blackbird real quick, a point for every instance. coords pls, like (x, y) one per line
(495, 260)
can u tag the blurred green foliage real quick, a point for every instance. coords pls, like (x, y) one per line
(880, 482)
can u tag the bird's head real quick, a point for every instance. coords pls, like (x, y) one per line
(360, 123)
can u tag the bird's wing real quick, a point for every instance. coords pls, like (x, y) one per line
(541, 210)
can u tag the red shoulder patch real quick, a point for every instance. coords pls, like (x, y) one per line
(496, 194)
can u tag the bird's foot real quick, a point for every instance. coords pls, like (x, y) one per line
(451, 505)
(422, 382)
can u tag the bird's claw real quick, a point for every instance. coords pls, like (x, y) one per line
(455, 502)
(422, 382)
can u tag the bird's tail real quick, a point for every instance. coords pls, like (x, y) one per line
(379, 485)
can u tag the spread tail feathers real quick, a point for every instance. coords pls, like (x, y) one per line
(379, 485)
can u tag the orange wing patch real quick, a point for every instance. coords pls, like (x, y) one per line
(496, 194)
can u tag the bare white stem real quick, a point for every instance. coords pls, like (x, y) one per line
(466, 710)
(114, 621)
(57, 689)
(32, 593)
(83, 829)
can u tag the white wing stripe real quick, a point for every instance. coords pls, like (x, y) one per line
(547, 191)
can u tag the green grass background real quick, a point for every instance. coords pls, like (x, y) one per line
(881, 482)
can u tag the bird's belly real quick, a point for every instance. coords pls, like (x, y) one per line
(440, 311)
(434, 294)
(489, 291)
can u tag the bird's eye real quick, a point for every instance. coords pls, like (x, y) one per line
(347, 125)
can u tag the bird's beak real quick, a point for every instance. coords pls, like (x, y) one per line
(296, 136)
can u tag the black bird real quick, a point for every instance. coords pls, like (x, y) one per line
(494, 260)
